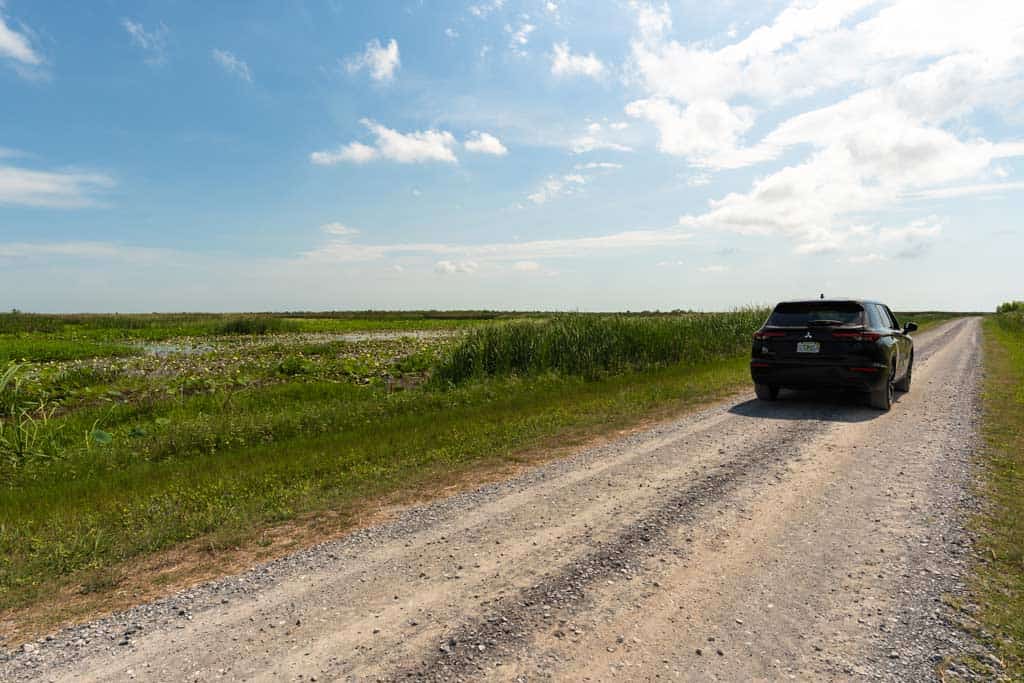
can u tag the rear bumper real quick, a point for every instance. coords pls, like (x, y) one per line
(862, 377)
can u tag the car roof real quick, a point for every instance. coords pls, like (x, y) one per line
(832, 300)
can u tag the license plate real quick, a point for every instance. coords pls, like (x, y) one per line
(808, 347)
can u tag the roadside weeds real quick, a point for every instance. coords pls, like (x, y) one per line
(998, 585)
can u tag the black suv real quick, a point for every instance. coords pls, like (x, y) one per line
(833, 343)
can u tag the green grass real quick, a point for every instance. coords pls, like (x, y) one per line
(256, 326)
(999, 583)
(592, 345)
(36, 348)
(253, 465)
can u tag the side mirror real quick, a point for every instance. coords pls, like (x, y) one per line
(909, 327)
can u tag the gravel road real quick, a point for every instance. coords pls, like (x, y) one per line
(808, 539)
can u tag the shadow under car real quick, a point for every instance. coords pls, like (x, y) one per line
(811, 404)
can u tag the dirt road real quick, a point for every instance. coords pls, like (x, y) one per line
(808, 539)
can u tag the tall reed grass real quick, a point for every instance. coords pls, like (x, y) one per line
(593, 345)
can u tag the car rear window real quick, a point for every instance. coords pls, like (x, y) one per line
(812, 312)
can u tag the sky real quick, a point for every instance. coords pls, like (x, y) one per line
(509, 154)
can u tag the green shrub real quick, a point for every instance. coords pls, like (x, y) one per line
(592, 345)
(257, 326)
(294, 365)
(1011, 307)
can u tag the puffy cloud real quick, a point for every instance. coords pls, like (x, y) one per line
(405, 148)
(152, 42)
(356, 152)
(53, 189)
(652, 21)
(380, 60)
(16, 46)
(232, 64)
(485, 143)
(564, 63)
(911, 71)
(705, 130)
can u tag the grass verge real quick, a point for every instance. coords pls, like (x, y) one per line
(999, 579)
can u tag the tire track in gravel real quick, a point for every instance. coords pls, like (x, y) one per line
(512, 620)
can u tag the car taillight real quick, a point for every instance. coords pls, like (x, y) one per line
(759, 336)
(857, 336)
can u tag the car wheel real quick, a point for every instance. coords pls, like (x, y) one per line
(904, 384)
(883, 397)
(766, 392)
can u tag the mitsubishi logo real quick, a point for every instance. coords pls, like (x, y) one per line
(808, 336)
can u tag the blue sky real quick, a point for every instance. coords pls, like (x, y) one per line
(534, 154)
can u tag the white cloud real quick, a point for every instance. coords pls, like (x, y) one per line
(17, 45)
(232, 64)
(564, 63)
(53, 189)
(483, 9)
(551, 8)
(702, 131)
(346, 251)
(911, 73)
(557, 187)
(713, 269)
(526, 266)
(153, 43)
(106, 251)
(380, 60)
(339, 230)
(912, 240)
(356, 152)
(485, 143)
(405, 148)
(653, 22)
(983, 189)
(597, 165)
(451, 33)
(594, 139)
(452, 267)
(519, 37)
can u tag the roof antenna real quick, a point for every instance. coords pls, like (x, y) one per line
(822, 295)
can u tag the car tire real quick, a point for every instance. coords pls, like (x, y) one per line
(882, 398)
(766, 392)
(904, 383)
